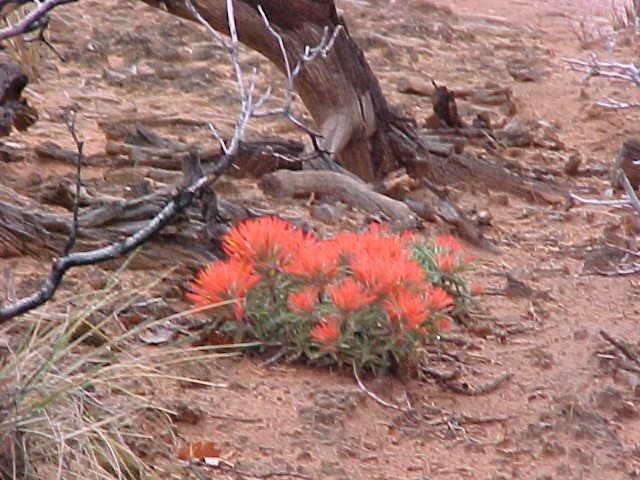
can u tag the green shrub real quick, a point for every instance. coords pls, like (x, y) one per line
(372, 299)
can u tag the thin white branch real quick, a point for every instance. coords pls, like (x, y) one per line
(370, 393)
(214, 33)
(606, 203)
(310, 54)
(595, 68)
(233, 50)
(617, 104)
(35, 19)
(219, 139)
(627, 72)
(631, 193)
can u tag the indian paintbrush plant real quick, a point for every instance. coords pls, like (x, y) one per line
(372, 299)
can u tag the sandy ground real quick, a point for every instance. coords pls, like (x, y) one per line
(567, 412)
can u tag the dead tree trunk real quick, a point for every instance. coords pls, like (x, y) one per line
(341, 92)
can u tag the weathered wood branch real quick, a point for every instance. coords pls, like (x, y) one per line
(285, 183)
(179, 200)
(469, 169)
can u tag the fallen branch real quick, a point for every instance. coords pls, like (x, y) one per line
(603, 203)
(70, 121)
(595, 68)
(627, 350)
(179, 201)
(627, 72)
(464, 388)
(371, 394)
(285, 183)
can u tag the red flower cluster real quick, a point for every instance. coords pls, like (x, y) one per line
(350, 295)
(223, 282)
(380, 261)
(315, 262)
(304, 300)
(326, 331)
(449, 256)
(265, 243)
(337, 279)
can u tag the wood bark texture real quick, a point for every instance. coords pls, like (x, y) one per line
(14, 110)
(628, 155)
(340, 91)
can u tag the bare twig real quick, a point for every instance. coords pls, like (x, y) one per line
(371, 394)
(627, 72)
(218, 38)
(617, 104)
(310, 53)
(595, 68)
(626, 349)
(464, 388)
(41, 38)
(182, 198)
(620, 271)
(631, 193)
(70, 121)
(633, 201)
(605, 203)
(32, 21)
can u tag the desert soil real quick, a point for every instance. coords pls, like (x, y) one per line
(567, 411)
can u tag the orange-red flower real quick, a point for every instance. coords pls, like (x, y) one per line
(326, 331)
(476, 290)
(304, 300)
(443, 324)
(446, 262)
(374, 272)
(409, 272)
(438, 299)
(223, 281)
(350, 295)
(406, 307)
(448, 242)
(381, 260)
(315, 261)
(377, 241)
(383, 274)
(266, 242)
(347, 242)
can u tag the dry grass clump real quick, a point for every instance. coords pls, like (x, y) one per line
(68, 410)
